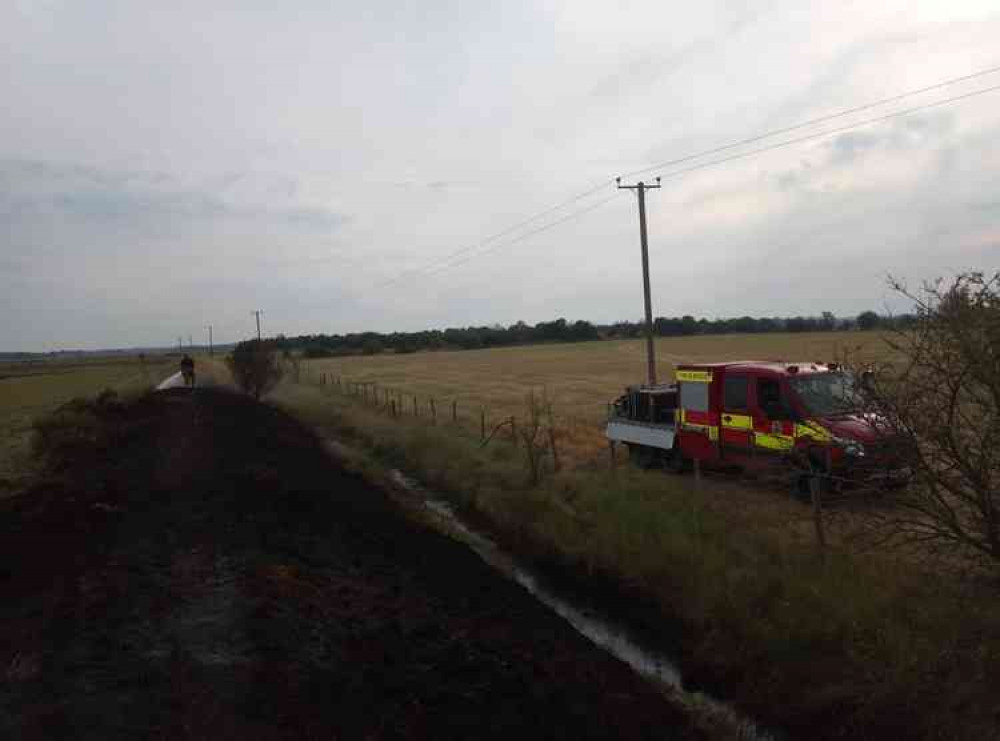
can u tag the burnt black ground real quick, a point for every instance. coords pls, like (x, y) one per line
(202, 569)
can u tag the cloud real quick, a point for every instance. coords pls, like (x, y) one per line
(186, 162)
(899, 135)
(31, 189)
(846, 148)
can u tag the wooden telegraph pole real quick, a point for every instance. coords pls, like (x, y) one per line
(257, 313)
(641, 189)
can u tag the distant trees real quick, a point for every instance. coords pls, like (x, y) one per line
(868, 320)
(372, 347)
(688, 325)
(455, 338)
(562, 330)
(256, 366)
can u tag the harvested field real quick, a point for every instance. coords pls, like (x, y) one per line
(220, 576)
(580, 378)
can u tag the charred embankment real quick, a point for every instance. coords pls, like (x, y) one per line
(197, 566)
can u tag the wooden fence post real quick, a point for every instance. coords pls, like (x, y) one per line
(482, 423)
(434, 414)
(416, 410)
(555, 450)
(392, 412)
(513, 430)
(817, 507)
(454, 411)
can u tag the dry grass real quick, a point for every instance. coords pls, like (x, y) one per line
(580, 378)
(31, 389)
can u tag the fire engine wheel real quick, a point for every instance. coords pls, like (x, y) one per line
(642, 456)
(675, 462)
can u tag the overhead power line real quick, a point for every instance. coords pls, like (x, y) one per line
(497, 235)
(445, 262)
(521, 237)
(813, 121)
(831, 132)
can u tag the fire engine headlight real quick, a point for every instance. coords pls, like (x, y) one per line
(850, 447)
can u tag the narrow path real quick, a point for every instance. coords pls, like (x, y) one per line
(176, 381)
(221, 576)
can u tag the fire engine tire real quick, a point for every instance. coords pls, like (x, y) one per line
(642, 456)
(675, 462)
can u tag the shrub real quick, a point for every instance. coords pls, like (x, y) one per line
(256, 366)
(936, 406)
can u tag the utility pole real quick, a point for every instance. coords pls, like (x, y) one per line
(257, 313)
(641, 189)
(180, 344)
(191, 343)
(210, 350)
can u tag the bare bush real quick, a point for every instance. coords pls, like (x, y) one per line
(256, 367)
(935, 407)
(537, 440)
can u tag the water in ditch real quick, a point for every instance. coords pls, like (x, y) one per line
(599, 629)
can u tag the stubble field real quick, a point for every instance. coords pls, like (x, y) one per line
(580, 379)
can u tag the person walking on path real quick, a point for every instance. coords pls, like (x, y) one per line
(187, 370)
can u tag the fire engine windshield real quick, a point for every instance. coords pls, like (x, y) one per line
(825, 394)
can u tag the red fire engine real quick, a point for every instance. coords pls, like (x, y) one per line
(752, 415)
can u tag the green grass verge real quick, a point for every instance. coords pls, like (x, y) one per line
(851, 645)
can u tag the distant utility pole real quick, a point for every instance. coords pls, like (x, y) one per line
(180, 344)
(190, 342)
(210, 350)
(257, 313)
(641, 188)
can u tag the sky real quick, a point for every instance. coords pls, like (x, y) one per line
(169, 166)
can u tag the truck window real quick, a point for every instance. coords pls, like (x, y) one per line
(770, 399)
(694, 396)
(735, 392)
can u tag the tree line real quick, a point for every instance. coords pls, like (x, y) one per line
(563, 330)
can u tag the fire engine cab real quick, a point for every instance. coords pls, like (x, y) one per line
(749, 415)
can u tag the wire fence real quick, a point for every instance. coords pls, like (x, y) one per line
(542, 438)
(398, 404)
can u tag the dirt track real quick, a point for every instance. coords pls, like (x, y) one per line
(211, 573)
